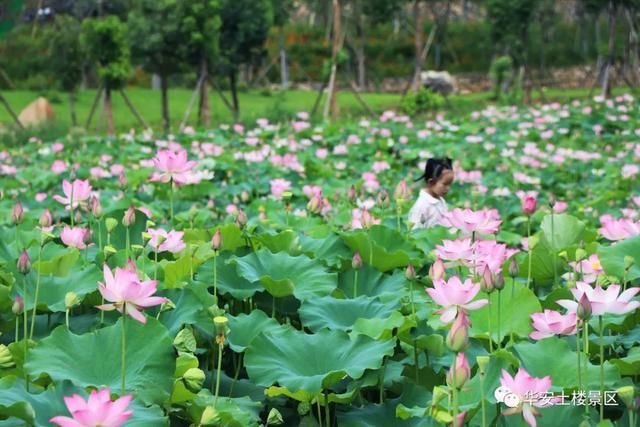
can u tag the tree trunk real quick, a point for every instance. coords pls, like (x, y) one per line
(284, 68)
(164, 88)
(333, 86)
(634, 61)
(362, 70)
(418, 44)
(11, 112)
(72, 108)
(606, 87)
(108, 111)
(204, 115)
(234, 95)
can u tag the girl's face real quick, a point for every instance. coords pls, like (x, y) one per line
(440, 186)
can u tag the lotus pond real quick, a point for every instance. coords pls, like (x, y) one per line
(267, 274)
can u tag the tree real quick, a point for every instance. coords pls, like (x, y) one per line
(245, 26)
(105, 42)
(66, 58)
(281, 12)
(157, 43)
(201, 29)
(509, 21)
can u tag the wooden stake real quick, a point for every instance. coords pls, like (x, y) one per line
(11, 112)
(133, 109)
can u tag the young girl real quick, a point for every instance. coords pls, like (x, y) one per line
(430, 206)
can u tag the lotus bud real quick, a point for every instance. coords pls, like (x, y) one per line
(274, 418)
(437, 270)
(487, 282)
(627, 394)
(71, 300)
(78, 216)
(585, 423)
(241, 219)
(351, 194)
(86, 238)
(45, 219)
(367, 219)
(458, 336)
(210, 417)
(459, 420)
(6, 358)
(499, 281)
(383, 199)
(584, 310)
(193, 379)
(356, 261)
(110, 223)
(245, 196)
(17, 214)
(235, 200)
(628, 262)
(483, 362)
(96, 207)
(462, 374)
(529, 205)
(401, 193)
(216, 240)
(122, 180)
(303, 408)
(18, 305)
(410, 272)
(24, 262)
(314, 204)
(513, 268)
(580, 254)
(129, 216)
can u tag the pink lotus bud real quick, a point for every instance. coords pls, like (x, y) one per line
(437, 270)
(410, 272)
(356, 261)
(216, 240)
(129, 217)
(401, 192)
(499, 281)
(241, 219)
(24, 263)
(86, 238)
(487, 283)
(18, 305)
(17, 214)
(122, 180)
(459, 420)
(513, 268)
(584, 308)
(529, 205)
(351, 194)
(315, 204)
(96, 207)
(463, 372)
(383, 199)
(458, 336)
(45, 218)
(367, 219)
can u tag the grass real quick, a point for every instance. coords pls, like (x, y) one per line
(253, 104)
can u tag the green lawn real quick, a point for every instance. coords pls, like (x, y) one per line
(253, 104)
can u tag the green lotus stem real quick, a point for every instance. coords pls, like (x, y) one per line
(15, 340)
(579, 361)
(327, 412)
(155, 269)
(585, 333)
(413, 307)
(171, 199)
(513, 286)
(624, 280)
(484, 409)
(127, 243)
(17, 242)
(499, 309)
(66, 318)
(454, 389)
(215, 276)
(553, 247)
(273, 307)
(236, 375)
(219, 368)
(71, 207)
(124, 348)
(490, 329)
(25, 322)
(35, 301)
(529, 245)
(601, 367)
(370, 252)
(99, 234)
(415, 360)
(632, 421)
(355, 284)
(319, 411)
(382, 384)
(102, 313)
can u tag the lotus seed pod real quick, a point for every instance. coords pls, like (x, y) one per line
(627, 393)
(483, 362)
(111, 223)
(71, 300)
(303, 408)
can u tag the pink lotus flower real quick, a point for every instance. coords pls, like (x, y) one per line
(362, 218)
(97, 411)
(602, 301)
(551, 323)
(162, 241)
(619, 229)
(76, 194)
(279, 186)
(590, 268)
(455, 296)
(126, 292)
(75, 237)
(491, 254)
(528, 393)
(560, 206)
(529, 205)
(172, 165)
(58, 166)
(453, 250)
(468, 221)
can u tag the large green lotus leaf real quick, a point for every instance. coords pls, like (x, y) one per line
(178, 272)
(233, 412)
(330, 249)
(56, 260)
(541, 264)
(245, 327)
(426, 239)
(82, 281)
(373, 283)
(190, 308)
(612, 258)
(515, 313)
(119, 235)
(390, 249)
(284, 241)
(93, 359)
(341, 314)
(39, 408)
(563, 371)
(228, 279)
(231, 237)
(282, 274)
(567, 230)
(313, 362)
(630, 364)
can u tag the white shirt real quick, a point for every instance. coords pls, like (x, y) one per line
(427, 211)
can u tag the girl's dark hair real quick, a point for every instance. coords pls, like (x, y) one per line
(434, 168)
